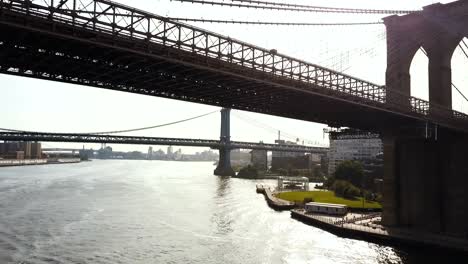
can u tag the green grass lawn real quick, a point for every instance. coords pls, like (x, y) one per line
(326, 197)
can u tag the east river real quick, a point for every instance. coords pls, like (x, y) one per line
(161, 212)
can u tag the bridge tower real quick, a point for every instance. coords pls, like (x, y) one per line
(224, 165)
(425, 171)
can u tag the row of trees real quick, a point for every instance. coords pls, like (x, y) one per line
(350, 181)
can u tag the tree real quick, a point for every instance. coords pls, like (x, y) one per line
(248, 172)
(350, 170)
(345, 189)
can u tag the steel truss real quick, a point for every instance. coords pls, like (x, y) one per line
(214, 144)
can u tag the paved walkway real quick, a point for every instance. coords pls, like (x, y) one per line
(370, 224)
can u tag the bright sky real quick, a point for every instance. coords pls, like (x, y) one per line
(30, 104)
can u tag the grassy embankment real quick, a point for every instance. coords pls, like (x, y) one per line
(327, 197)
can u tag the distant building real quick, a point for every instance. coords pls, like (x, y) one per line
(240, 157)
(288, 160)
(170, 150)
(20, 150)
(150, 153)
(207, 155)
(36, 150)
(282, 154)
(178, 154)
(259, 159)
(352, 144)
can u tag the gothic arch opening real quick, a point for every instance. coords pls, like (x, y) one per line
(419, 73)
(459, 65)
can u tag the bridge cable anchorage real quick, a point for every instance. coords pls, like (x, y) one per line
(317, 9)
(453, 85)
(117, 131)
(270, 23)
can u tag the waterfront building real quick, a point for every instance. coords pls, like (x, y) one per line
(259, 159)
(29, 150)
(349, 144)
(36, 150)
(326, 208)
(288, 160)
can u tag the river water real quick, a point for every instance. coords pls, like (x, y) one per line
(160, 212)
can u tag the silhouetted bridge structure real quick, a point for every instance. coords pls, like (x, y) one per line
(108, 45)
(214, 144)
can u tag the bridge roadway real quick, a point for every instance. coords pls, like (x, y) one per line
(104, 44)
(214, 144)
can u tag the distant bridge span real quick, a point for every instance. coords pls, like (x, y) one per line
(214, 144)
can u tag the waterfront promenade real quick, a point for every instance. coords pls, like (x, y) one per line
(364, 226)
(367, 227)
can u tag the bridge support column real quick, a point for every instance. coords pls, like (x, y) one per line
(224, 165)
(425, 183)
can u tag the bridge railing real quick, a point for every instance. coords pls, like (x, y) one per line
(429, 111)
(137, 25)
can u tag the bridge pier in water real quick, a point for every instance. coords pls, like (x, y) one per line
(425, 183)
(224, 164)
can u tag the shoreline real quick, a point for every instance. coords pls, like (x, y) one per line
(362, 226)
(34, 162)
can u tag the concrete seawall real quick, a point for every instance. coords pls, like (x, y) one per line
(8, 163)
(272, 201)
(29, 162)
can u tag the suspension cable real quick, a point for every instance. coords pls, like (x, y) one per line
(316, 10)
(319, 7)
(272, 23)
(459, 92)
(461, 47)
(120, 131)
(464, 43)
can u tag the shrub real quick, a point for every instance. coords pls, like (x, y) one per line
(248, 172)
(351, 191)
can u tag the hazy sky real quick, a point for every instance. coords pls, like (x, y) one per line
(31, 104)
